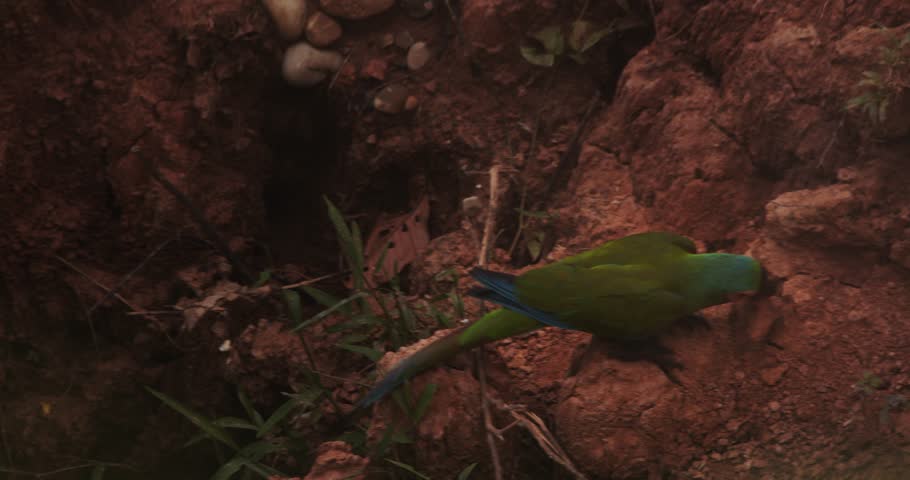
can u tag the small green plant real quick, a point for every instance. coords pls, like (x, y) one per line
(869, 383)
(880, 87)
(368, 309)
(550, 43)
(251, 441)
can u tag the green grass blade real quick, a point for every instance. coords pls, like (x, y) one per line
(295, 311)
(264, 277)
(234, 422)
(98, 472)
(251, 412)
(405, 466)
(467, 471)
(424, 401)
(277, 416)
(325, 313)
(201, 422)
(323, 298)
(370, 353)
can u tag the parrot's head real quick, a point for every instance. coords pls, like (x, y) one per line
(727, 274)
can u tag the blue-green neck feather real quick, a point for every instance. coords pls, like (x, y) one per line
(712, 276)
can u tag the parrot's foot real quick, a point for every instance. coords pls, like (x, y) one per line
(650, 350)
(692, 322)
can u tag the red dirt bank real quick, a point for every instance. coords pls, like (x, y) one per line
(727, 127)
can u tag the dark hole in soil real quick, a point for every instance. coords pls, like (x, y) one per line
(302, 129)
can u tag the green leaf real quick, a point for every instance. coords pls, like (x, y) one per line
(323, 298)
(201, 422)
(354, 338)
(347, 242)
(584, 34)
(551, 38)
(535, 56)
(276, 417)
(379, 265)
(295, 311)
(98, 472)
(534, 242)
(234, 422)
(578, 58)
(441, 318)
(251, 412)
(365, 320)
(467, 471)
(370, 353)
(407, 315)
(319, 316)
(229, 468)
(458, 304)
(264, 277)
(424, 401)
(543, 214)
(408, 468)
(384, 442)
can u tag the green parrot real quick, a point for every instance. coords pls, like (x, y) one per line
(626, 290)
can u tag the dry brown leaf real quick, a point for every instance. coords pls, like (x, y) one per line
(406, 237)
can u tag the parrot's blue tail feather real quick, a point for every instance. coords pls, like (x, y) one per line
(389, 383)
(500, 288)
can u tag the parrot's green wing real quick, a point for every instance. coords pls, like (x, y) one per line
(639, 248)
(609, 300)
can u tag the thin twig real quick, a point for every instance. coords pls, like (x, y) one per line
(313, 280)
(824, 154)
(489, 227)
(126, 278)
(490, 223)
(538, 429)
(107, 289)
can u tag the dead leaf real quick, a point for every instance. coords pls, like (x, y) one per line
(397, 242)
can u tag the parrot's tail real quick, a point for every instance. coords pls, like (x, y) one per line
(500, 288)
(434, 353)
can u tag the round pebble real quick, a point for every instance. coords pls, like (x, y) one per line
(418, 55)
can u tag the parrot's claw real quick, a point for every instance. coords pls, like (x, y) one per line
(648, 350)
(692, 322)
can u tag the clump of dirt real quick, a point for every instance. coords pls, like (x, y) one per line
(722, 121)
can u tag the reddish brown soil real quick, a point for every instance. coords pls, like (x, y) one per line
(721, 120)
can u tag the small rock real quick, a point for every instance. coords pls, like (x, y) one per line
(418, 8)
(716, 456)
(289, 16)
(335, 460)
(387, 40)
(391, 99)
(771, 376)
(471, 205)
(305, 65)
(375, 68)
(418, 55)
(404, 39)
(355, 9)
(411, 103)
(847, 174)
(774, 405)
(322, 30)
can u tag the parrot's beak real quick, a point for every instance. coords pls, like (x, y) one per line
(734, 297)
